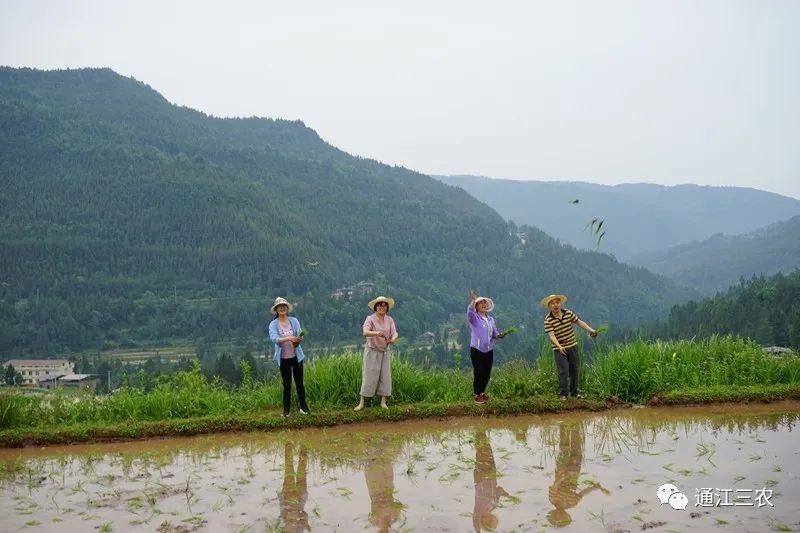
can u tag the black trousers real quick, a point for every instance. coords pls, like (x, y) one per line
(291, 367)
(481, 369)
(567, 366)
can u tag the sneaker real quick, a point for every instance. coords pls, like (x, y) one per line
(563, 398)
(485, 397)
(303, 411)
(480, 398)
(285, 414)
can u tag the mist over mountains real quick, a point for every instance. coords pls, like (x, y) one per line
(638, 218)
(722, 260)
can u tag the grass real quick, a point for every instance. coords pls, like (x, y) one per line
(720, 369)
(94, 432)
(640, 370)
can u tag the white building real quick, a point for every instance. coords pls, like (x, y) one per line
(74, 381)
(33, 370)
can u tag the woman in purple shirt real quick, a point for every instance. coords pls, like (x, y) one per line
(481, 351)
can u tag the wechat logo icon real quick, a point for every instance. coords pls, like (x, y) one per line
(668, 493)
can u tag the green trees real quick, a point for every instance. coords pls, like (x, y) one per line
(764, 309)
(129, 221)
(12, 377)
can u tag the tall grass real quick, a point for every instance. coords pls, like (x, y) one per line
(632, 372)
(638, 370)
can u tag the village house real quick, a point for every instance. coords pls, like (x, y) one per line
(347, 293)
(34, 369)
(72, 381)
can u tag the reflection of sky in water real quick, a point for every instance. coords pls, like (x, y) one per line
(577, 471)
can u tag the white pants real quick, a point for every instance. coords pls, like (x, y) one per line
(376, 373)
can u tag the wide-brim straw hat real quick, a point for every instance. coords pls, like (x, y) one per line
(280, 301)
(484, 299)
(380, 299)
(547, 299)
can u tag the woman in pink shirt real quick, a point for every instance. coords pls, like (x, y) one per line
(376, 370)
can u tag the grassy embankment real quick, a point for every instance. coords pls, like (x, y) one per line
(721, 369)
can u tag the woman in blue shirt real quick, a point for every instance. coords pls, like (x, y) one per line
(284, 331)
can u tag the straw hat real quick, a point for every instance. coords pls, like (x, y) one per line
(280, 301)
(485, 299)
(547, 299)
(379, 299)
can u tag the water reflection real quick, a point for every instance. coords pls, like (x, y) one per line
(295, 490)
(524, 473)
(487, 490)
(564, 493)
(379, 473)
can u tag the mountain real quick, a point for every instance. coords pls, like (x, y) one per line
(766, 309)
(129, 220)
(721, 261)
(638, 218)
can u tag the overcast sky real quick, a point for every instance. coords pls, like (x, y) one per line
(665, 92)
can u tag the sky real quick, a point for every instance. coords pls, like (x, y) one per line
(606, 92)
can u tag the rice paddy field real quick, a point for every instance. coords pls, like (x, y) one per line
(232, 463)
(733, 468)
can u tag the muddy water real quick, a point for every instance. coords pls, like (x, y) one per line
(578, 472)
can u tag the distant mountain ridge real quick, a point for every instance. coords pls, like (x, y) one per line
(126, 219)
(638, 217)
(722, 260)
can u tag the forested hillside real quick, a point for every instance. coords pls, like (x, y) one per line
(638, 217)
(764, 309)
(721, 261)
(126, 219)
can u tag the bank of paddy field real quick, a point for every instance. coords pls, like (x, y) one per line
(720, 369)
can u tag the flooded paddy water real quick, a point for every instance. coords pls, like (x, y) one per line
(737, 466)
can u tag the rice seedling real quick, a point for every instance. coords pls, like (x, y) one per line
(344, 491)
(509, 331)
